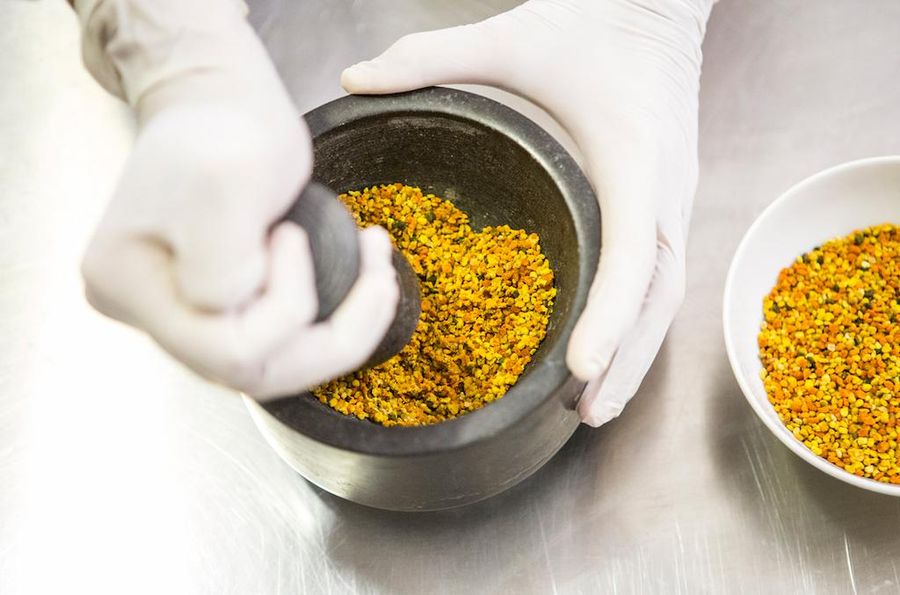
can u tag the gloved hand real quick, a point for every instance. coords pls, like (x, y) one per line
(189, 248)
(622, 77)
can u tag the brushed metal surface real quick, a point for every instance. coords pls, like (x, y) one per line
(120, 472)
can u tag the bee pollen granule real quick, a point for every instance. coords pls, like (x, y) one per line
(486, 302)
(830, 349)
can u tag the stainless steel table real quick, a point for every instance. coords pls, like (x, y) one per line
(122, 473)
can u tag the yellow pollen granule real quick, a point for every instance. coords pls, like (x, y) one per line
(486, 302)
(830, 348)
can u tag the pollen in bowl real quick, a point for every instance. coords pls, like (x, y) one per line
(830, 349)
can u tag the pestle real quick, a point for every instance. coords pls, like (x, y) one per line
(333, 238)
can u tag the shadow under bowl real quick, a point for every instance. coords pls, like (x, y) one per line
(500, 168)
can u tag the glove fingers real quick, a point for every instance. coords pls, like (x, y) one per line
(227, 347)
(627, 259)
(463, 54)
(132, 281)
(220, 276)
(232, 348)
(342, 343)
(270, 348)
(123, 279)
(604, 398)
(289, 302)
(219, 240)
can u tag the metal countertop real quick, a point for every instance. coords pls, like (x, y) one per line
(122, 473)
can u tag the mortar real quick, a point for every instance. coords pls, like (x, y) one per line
(500, 168)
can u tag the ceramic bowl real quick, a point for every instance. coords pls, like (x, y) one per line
(830, 204)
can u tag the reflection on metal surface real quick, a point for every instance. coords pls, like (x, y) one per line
(120, 472)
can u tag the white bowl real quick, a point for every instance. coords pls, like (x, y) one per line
(829, 204)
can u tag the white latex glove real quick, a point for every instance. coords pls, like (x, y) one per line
(189, 249)
(622, 77)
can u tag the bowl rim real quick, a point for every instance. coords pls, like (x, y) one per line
(775, 425)
(321, 423)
